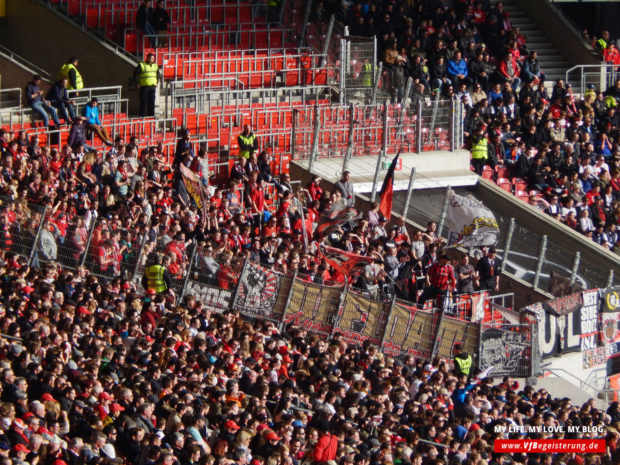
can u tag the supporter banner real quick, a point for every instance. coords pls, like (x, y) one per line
(507, 349)
(609, 327)
(610, 299)
(258, 293)
(451, 331)
(594, 357)
(211, 296)
(409, 331)
(313, 306)
(361, 318)
(567, 324)
(470, 223)
(194, 188)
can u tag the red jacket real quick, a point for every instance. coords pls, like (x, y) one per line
(326, 448)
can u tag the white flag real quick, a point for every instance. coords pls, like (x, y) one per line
(470, 223)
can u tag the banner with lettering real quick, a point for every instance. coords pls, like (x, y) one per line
(194, 188)
(507, 348)
(313, 306)
(260, 293)
(362, 318)
(452, 331)
(470, 222)
(409, 332)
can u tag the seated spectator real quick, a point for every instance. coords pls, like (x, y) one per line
(93, 123)
(457, 69)
(509, 71)
(77, 135)
(34, 97)
(59, 99)
(531, 71)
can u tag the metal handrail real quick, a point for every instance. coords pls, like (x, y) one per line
(607, 75)
(23, 63)
(582, 383)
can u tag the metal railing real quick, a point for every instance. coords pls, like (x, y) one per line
(10, 98)
(601, 76)
(23, 63)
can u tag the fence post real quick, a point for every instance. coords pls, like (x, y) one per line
(315, 137)
(288, 300)
(343, 70)
(409, 191)
(541, 258)
(452, 125)
(236, 291)
(349, 151)
(375, 85)
(576, 261)
(511, 230)
(435, 333)
(189, 271)
(89, 240)
(382, 153)
(444, 211)
(142, 244)
(328, 36)
(403, 103)
(387, 320)
(418, 129)
(36, 236)
(294, 134)
(610, 278)
(340, 310)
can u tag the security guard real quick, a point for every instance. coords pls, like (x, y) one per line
(462, 361)
(366, 73)
(69, 70)
(156, 276)
(479, 151)
(146, 75)
(247, 142)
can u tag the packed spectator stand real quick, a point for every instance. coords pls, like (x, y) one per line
(95, 371)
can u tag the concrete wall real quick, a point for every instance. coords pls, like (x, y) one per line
(47, 39)
(559, 31)
(12, 75)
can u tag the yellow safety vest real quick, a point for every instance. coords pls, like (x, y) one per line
(366, 75)
(480, 150)
(64, 73)
(602, 43)
(148, 76)
(464, 364)
(247, 140)
(155, 278)
(273, 2)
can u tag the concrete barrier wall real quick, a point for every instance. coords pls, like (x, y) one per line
(47, 39)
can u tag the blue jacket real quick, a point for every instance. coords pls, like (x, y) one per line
(91, 113)
(455, 68)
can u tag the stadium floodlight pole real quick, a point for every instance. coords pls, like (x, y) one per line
(541, 259)
(315, 137)
(349, 152)
(36, 236)
(409, 191)
(382, 153)
(444, 211)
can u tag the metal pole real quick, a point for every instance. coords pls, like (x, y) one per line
(418, 129)
(576, 261)
(343, 70)
(36, 236)
(452, 125)
(409, 191)
(511, 230)
(387, 320)
(349, 152)
(88, 241)
(444, 211)
(315, 137)
(281, 12)
(341, 305)
(541, 259)
(405, 98)
(375, 85)
(610, 278)
(328, 36)
(294, 134)
(381, 154)
(189, 271)
(288, 300)
(236, 291)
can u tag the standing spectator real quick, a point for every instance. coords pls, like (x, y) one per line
(345, 188)
(146, 75)
(59, 99)
(69, 70)
(489, 271)
(439, 282)
(466, 274)
(93, 123)
(34, 97)
(144, 18)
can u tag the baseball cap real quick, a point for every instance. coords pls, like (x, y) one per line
(116, 407)
(428, 367)
(21, 448)
(271, 436)
(230, 424)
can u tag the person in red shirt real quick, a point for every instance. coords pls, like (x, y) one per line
(440, 281)
(314, 190)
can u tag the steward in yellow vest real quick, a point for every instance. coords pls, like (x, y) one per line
(69, 70)
(479, 151)
(462, 361)
(146, 76)
(156, 276)
(247, 142)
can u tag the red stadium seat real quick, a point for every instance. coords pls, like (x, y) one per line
(505, 184)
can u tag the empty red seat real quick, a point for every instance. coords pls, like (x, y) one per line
(505, 184)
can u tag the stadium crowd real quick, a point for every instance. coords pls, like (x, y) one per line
(557, 151)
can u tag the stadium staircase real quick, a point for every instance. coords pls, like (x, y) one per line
(553, 63)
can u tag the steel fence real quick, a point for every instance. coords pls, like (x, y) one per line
(508, 348)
